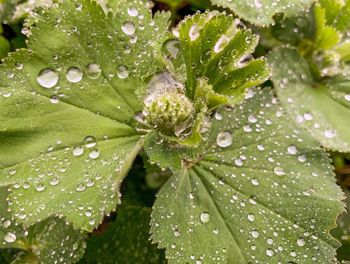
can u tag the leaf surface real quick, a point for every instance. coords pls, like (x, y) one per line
(263, 192)
(68, 104)
(323, 108)
(50, 241)
(261, 12)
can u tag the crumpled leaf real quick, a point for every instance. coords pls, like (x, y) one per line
(262, 192)
(68, 102)
(126, 240)
(322, 107)
(261, 12)
(49, 241)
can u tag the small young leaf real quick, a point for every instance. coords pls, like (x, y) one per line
(323, 108)
(124, 241)
(261, 12)
(261, 192)
(214, 47)
(67, 104)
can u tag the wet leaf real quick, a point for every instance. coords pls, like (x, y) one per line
(213, 46)
(261, 12)
(68, 102)
(50, 241)
(263, 192)
(322, 107)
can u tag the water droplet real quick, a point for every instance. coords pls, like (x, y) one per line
(54, 99)
(74, 75)
(218, 116)
(10, 237)
(221, 44)
(93, 71)
(94, 154)
(224, 139)
(292, 150)
(255, 233)
(173, 48)
(301, 242)
(251, 218)
(279, 171)
(48, 78)
(330, 133)
(129, 28)
(255, 182)
(269, 252)
(80, 187)
(54, 181)
(132, 11)
(258, 4)
(252, 119)
(78, 151)
(347, 97)
(122, 72)
(40, 187)
(194, 32)
(90, 142)
(205, 217)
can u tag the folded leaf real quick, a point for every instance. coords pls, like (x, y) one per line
(262, 192)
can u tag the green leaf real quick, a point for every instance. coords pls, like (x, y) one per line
(342, 232)
(266, 195)
(49, 241)
(213, 47)
(4, 47)
(261, 12)
(126, 240)
(326, 36)
(67, 105)
(322, 107)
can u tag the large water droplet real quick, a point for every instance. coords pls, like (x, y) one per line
(301, 242)
(48, 78)
(78, 151)
(129, 28)
(330, 133)
(74, 75)
(347, 97)
(279, 171)
(292, 150)
(251, 218)
(40, 187)
(132, 11)
(10, 237)
(94, 154)
(90, 142)
(224, 139)
(93, 71)
(205, 217)
(194, 32)
(122, 72)
(255, 233)
(221, 44)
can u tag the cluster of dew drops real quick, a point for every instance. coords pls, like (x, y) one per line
(49, 78)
